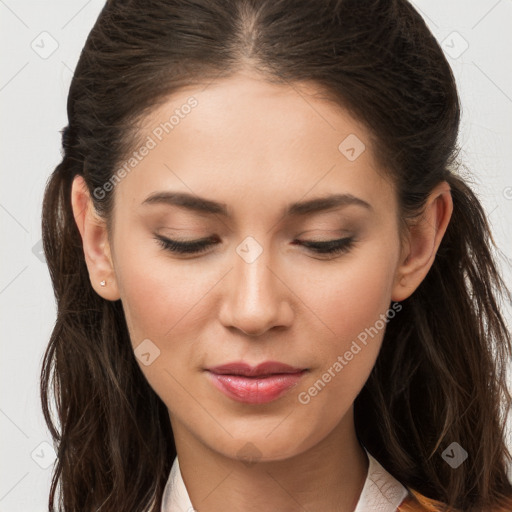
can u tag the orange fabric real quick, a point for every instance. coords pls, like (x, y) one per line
(416, 502)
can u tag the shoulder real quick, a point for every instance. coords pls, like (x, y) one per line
(416, 502)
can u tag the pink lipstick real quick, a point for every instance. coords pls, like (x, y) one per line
(255, 385)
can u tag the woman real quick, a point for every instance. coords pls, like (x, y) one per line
(274, 289)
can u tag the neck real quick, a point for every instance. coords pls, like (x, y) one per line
(327, 477)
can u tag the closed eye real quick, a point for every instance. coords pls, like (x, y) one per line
(338, 246)
(330, 247)
(193, 247)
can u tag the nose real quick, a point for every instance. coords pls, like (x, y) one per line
(255, 297)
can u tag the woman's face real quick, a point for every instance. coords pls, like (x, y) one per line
(240, 153)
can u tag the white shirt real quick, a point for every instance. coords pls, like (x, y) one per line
(381, 491)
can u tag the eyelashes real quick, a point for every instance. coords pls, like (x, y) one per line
(338, 246)
(194, 247)
(329, 247)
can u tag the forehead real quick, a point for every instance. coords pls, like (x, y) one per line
(243, 138)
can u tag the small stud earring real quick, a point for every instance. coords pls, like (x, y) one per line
(103, 283)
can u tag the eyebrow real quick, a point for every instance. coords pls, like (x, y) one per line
(203, 205)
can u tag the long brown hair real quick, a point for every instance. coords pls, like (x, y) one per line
(440, 376)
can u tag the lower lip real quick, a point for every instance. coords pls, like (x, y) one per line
(252, 390)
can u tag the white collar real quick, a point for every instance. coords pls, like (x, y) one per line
(381, 492)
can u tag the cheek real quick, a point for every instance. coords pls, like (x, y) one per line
(162, 301)
(350, 296)
(168, 303)
(159, 295)
(353, 303)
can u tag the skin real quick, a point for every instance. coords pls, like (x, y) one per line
(258, 147)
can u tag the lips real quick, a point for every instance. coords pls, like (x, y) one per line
(255, 385)
(262, 370)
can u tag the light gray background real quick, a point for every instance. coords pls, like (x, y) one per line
(33, 91)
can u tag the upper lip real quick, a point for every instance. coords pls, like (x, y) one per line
(265, 368)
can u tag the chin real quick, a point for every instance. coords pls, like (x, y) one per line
(276, 439)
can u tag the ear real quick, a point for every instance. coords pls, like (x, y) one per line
(95, 241)
(423, 240)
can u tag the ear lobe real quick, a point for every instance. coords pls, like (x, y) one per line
(424, 239)
(95, 242)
